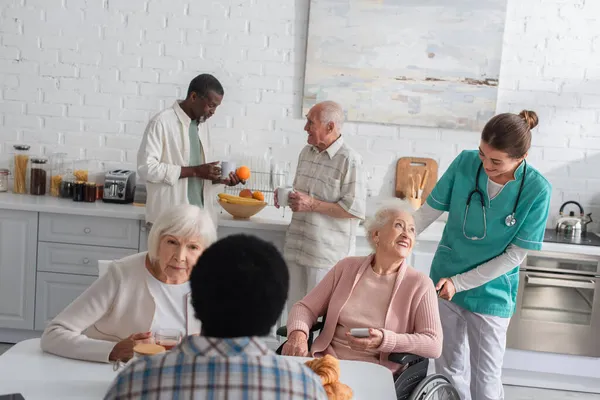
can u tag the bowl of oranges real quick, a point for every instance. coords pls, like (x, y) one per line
(244, 205)
(247, 203)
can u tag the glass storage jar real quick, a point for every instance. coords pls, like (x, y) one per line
(79, 191)
(67, 185)
(38, 176)
(3, 180)
(57, 170)
(90, 192)
(18, 168)
(81, 170)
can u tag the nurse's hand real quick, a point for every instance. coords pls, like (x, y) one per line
(300, 202)
(369, 343)
(446, 289)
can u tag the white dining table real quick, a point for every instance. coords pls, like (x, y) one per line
(25, 369)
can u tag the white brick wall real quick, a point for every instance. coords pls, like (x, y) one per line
(83, 76)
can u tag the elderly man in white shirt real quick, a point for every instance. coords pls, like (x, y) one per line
(328, 200)
(173, 155)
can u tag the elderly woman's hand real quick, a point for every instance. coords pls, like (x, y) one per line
(369, 343)
(296, 345)
(123, 351)
(446, 289)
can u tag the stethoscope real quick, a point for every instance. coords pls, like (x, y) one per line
(510, 219)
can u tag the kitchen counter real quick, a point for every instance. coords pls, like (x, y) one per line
(270, 219)
(48, 204)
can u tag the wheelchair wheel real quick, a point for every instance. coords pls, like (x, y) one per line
(434, 387)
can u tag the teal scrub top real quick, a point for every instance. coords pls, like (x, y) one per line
(457, 254)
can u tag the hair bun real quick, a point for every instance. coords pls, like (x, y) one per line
(530, 117)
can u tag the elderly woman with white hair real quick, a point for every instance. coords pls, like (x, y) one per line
(381, 292)
(138, 295)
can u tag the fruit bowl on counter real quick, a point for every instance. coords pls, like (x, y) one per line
(241, 207)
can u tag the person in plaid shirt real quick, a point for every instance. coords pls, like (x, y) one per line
(239, 287)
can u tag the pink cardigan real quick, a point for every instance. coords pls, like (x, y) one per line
(412, 322)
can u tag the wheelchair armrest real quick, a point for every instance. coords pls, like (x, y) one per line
(404, 358)
(282, 330)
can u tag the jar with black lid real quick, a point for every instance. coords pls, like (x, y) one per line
(79, 191)
(67, 185)
(38, 176)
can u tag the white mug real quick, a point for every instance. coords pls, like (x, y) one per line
(283, 194)
(227, 167)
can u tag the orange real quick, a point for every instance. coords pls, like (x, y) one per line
(243, 173)
(246, 193)
(258, 195)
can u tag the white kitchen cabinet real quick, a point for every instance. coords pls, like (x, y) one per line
(94, 231)
(75, 258)
(55, 292)
(144, 232)
(18, 237)
(422, 256)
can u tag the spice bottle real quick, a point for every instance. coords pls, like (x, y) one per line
(3, 180)
(19, 163)
(38, 176)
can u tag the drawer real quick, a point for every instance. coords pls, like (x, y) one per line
(95, 231)
(76, 259)
(54, 292)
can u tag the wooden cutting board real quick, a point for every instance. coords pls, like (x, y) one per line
(415, 167)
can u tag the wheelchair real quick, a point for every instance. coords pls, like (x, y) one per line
(412, 383)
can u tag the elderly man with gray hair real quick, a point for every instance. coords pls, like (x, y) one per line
(328, 200)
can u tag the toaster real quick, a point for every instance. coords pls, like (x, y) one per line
(119, 186)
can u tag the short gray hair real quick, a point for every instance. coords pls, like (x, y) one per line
(382, 216)
(330, 111)
(184, 220)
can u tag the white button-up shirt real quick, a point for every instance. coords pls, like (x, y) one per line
(165, 148)
(334, 175)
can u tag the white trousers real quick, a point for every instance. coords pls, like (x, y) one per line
(473, 352)
(302, 280)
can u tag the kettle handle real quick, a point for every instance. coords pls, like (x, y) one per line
(571, 202)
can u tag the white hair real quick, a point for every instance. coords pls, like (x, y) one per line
(382, 216)
(184, 220)
(330, 111)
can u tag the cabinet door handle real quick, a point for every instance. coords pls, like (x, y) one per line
(86, 261)
(87, 230)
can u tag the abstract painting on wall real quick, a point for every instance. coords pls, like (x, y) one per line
(432, 63)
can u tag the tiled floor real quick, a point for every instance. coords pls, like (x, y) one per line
(510, 392)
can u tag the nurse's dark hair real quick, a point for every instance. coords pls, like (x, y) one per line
(510, 133)
(203, 84)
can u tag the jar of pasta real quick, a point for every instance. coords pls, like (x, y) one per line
(81, 170)
(57, 171)
(18, 168)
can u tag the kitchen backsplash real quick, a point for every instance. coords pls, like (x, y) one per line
(75, 77)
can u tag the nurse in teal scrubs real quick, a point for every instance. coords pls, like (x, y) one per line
(497, 208)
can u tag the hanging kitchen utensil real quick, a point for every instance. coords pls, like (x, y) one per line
(573, 225)
(427, 168)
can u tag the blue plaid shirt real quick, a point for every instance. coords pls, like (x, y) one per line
(210, 368)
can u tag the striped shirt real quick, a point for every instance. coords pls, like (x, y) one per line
(335, 175)
(211, 368)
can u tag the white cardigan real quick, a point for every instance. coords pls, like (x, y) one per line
(164, 149)
(114, 307)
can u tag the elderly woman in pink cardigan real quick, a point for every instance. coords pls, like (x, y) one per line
(380, 292)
